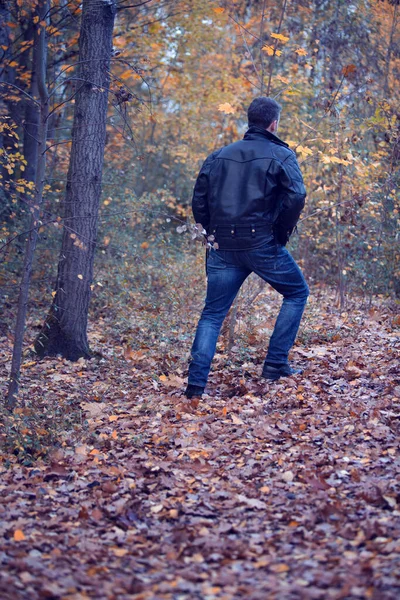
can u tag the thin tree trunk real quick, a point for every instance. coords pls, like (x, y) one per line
(40, 43)
(32, 118)
(65, 329)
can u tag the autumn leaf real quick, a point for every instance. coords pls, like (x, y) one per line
(120, 552)
(271, 51)
(219, 10)
(236, 420)
(301, 52)
(226, 108)
(304, 150)
(172, 380)
(280, 568)
(348, 70)
(280, 37)
(19, 535)
(282, 79)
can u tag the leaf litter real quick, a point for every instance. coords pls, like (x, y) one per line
(286, 490)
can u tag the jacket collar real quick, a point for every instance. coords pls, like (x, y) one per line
(258, 133)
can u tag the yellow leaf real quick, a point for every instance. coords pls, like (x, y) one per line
(80, 276)
(113, 417)
(271, 51)
(304, 150)
(219, 10)
(19, 535)
(126, 75)
(226, 108)
(28, 364)
(94, 452)
(301, 52)
(163, 378)
(279, 36)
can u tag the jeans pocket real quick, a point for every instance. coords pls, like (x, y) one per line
(215, 260)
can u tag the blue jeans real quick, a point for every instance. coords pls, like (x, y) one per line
(226, 271)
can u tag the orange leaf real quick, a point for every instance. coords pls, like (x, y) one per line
(226, 108)
(271, 51)
(120, 551)
(113, 417)
(19, 535)
(348, 70)
(279, 36)
(219, 10)
(281, 568)
(114, 435)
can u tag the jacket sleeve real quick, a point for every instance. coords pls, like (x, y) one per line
(200, 207)
(291, 198)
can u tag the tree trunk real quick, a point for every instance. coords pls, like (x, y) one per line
(6, 75)
(65, 329)
(32, 118)
(36, 203)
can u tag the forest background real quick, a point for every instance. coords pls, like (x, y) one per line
(180, 75)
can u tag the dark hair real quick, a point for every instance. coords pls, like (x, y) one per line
(263, 111)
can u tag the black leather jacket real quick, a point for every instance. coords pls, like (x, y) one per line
(250, 192)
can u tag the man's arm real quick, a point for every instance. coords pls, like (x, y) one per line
(291, 199)
(200, 208)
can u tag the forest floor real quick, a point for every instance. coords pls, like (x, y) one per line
(114, 487)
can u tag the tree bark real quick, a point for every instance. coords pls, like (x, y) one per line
(32, 117)
(65, 329)
(40, 43)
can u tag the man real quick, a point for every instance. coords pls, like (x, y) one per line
(249, 196)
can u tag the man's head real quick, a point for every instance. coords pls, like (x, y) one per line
(264, 112)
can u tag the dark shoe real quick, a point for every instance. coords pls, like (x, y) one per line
(194, 391)
(273, 373)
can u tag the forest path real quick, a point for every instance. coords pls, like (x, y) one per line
(287, 490)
